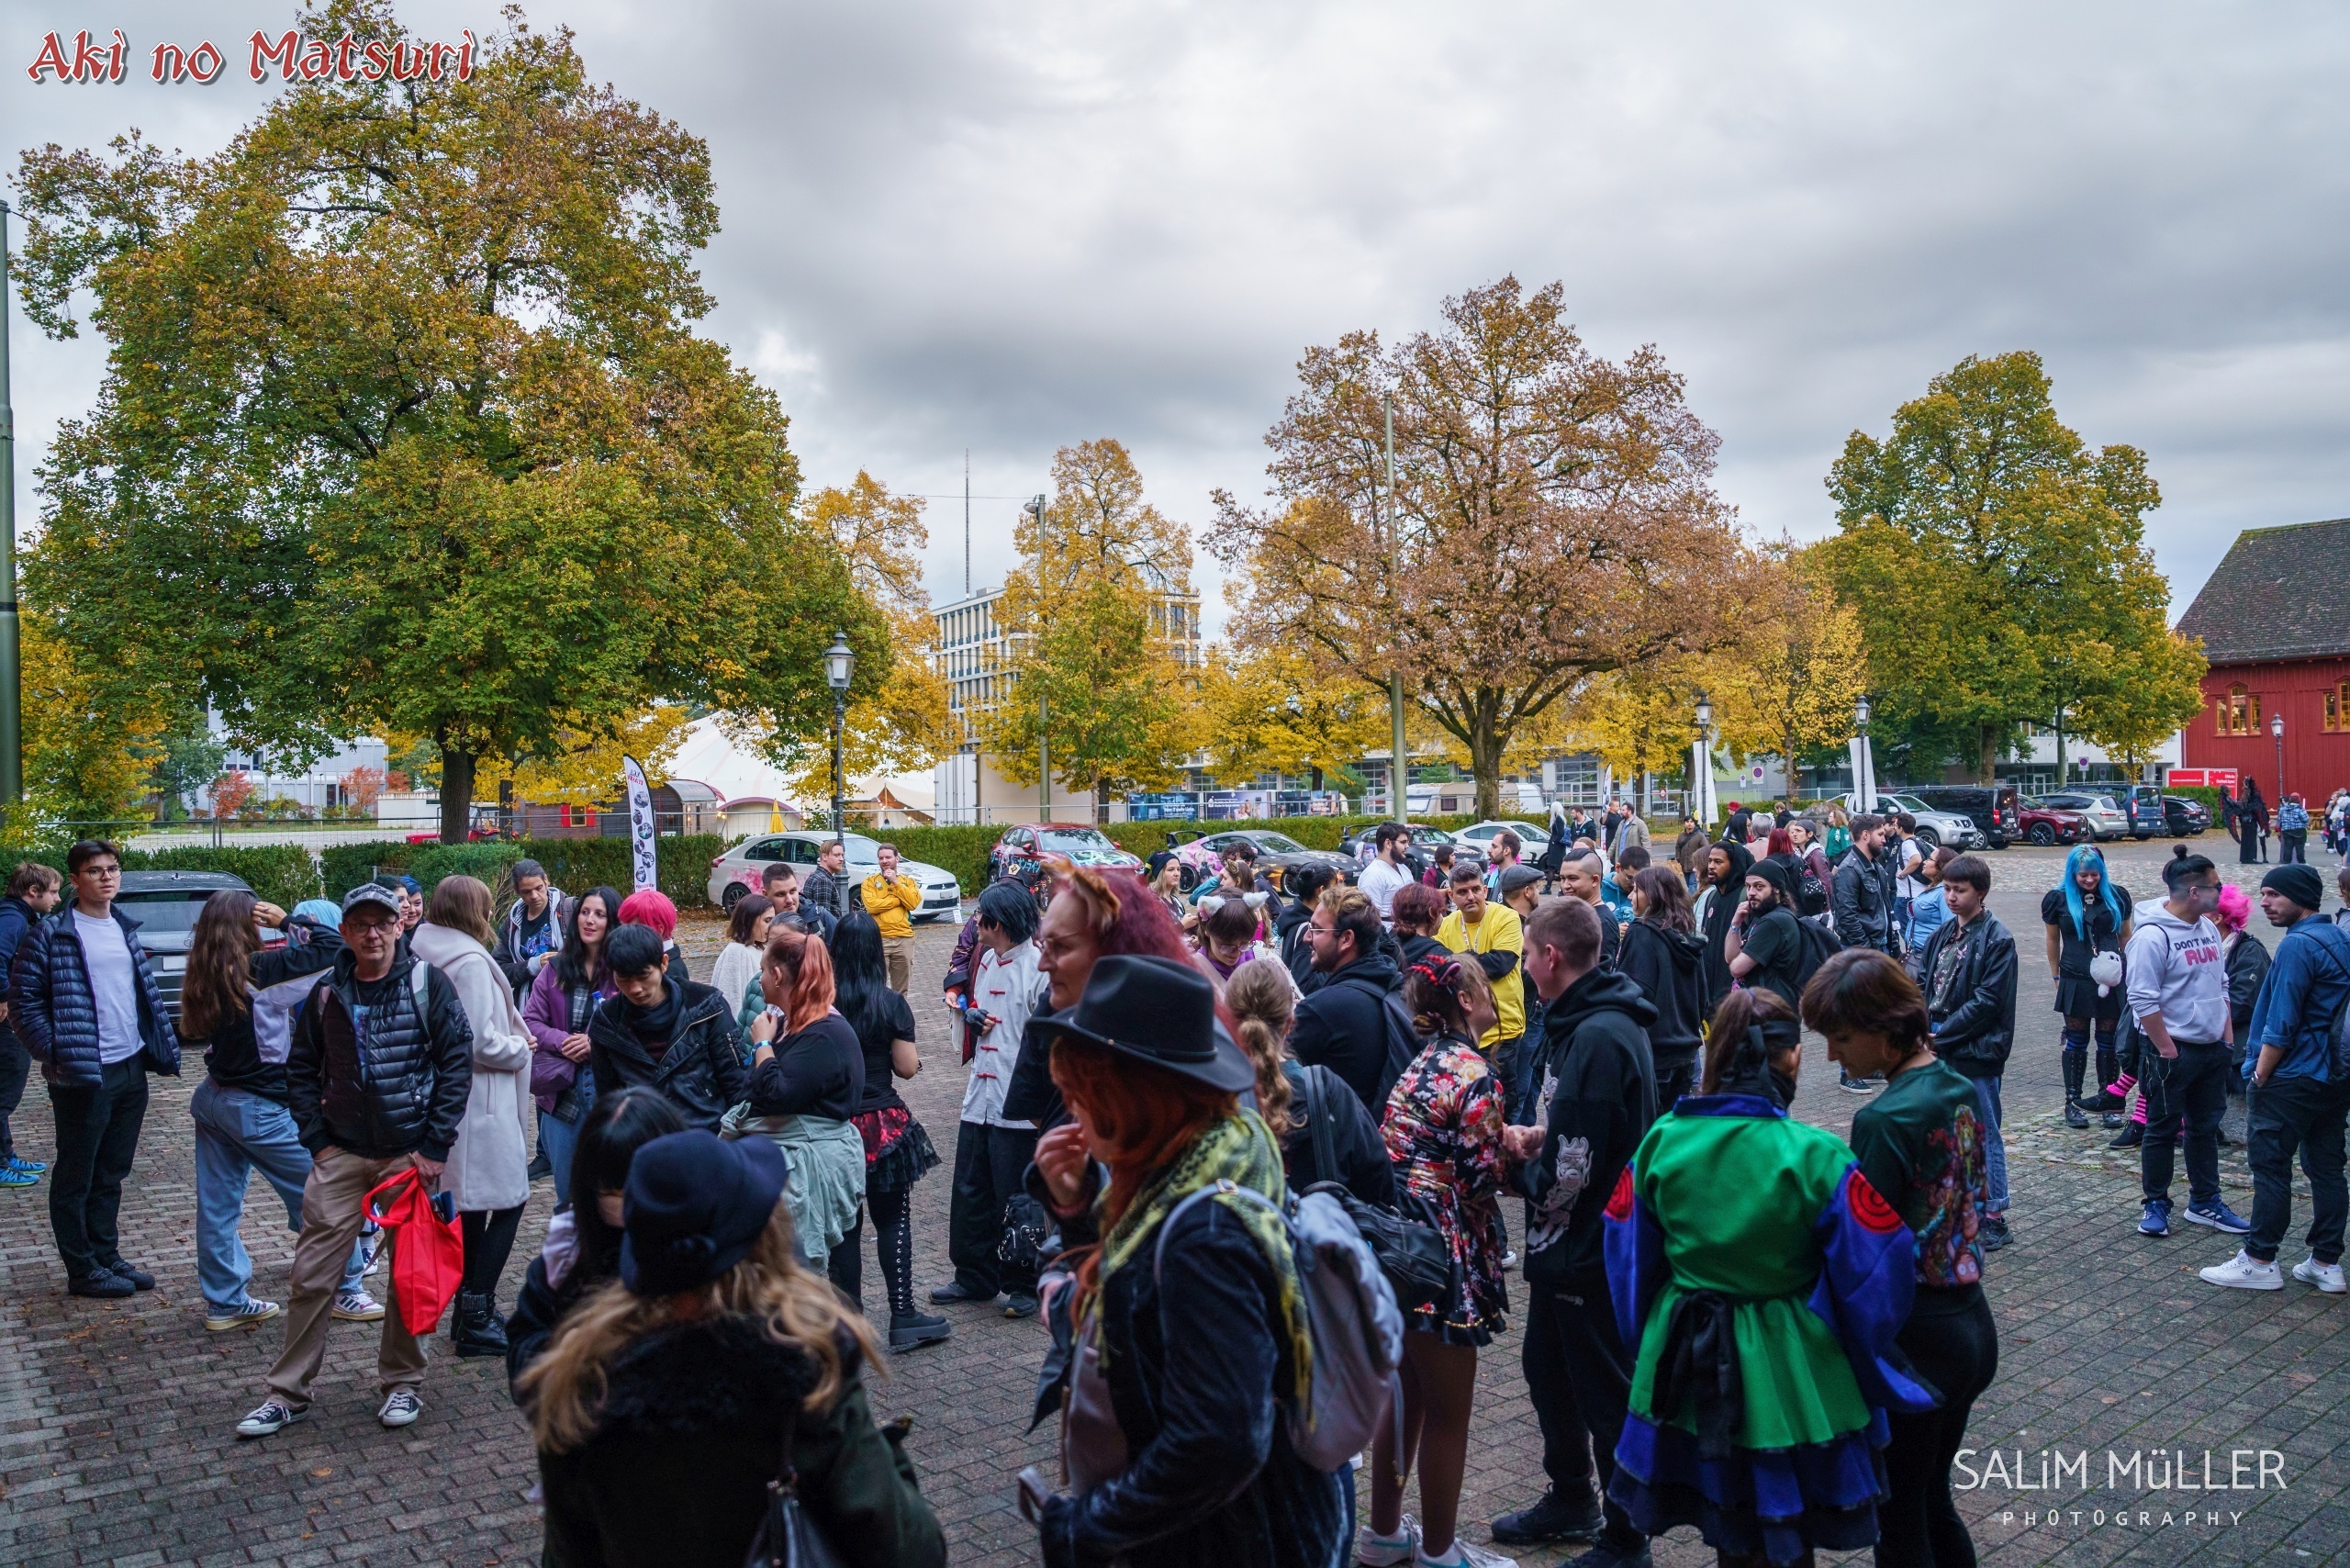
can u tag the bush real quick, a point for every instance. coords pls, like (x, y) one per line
(281, 873)
(682, 863)
(2209, 797)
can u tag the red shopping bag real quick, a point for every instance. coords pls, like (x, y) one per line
(428, 1249)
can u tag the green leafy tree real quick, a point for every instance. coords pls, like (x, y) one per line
(190, 759)
(1983, 543)
(405, 426)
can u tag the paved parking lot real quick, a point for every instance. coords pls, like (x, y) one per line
(116, 1418)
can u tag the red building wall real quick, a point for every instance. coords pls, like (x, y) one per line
(2316, 760)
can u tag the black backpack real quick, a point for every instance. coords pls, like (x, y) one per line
(1819, 945)
(1403, 1040)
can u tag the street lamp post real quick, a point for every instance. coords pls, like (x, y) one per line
(12, 780)
(1702, 765)
(840, 662)
(1863, 759)
(2276, 730)
(1043, 713)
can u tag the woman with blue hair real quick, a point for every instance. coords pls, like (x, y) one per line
(2088, 916)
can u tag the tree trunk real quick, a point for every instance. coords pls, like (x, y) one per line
(1986, 762)
(2060, 748)
(1485, 766)
(456, 794)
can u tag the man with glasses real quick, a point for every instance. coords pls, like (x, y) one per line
(1343, 1024)
(82, 999)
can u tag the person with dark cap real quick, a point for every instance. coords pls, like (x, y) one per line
(663, 1412)
(1765, 944)
(1194, 1320)
(1717, 909)
(2301, 1094)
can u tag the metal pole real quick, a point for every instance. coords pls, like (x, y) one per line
(12, 772)
(1044, 708)
(1399, 771)
(839, 707)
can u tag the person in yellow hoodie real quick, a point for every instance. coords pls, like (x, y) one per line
(893, 900)
(1496, 936)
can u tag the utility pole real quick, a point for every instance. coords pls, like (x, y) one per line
(967, 522)
(1043, 713)
(1398, 769)
(12, 770)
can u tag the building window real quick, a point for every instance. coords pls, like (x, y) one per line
(2239, 711)
(2337, 703)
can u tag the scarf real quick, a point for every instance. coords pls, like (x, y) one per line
(1240, 1149)
(653, 1026)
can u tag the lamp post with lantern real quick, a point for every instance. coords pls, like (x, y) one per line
(2276, 730)
(1702, 765)
(840, 663)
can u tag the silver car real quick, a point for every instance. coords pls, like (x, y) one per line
(1935, 828)
(738, 870)
(165, 904)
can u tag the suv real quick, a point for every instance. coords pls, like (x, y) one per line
(165, 904)
(738, 870)
(1997, 809)
(2106, 819)
(2044, 824)
(1935, 827)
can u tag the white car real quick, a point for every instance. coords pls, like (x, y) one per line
(738, 870)
(1533, 838)
(2103, 814)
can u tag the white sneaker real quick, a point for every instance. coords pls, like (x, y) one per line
(1375, 1550)
(2245, 1272)
(401, 1407)
(254, 1311)
(357, 1306)
(2326, 1277)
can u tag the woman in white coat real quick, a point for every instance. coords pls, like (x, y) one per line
(489, 1163)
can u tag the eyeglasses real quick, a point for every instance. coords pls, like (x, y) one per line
(99, 871)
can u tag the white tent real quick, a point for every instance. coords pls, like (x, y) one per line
(753, 793)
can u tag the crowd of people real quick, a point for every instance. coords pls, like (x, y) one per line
(1577, 1071)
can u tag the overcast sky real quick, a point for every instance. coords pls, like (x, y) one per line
(1012, 226)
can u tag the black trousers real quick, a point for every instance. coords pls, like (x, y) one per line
(2191, 1084)
(2297, 1113)
(1674, 1080)
(97, 1136)
(1958, 1353)
(2292, 845)
(1570, 1332)
(989, 1164)
(489, 1239)
(15, 1065)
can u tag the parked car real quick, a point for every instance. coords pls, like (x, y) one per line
(1078, 842)
(2044, 824)
(2102, 812)
(1936, 827)
(1277, 852)
(1996, 809)
(1532, 838)
(2186, 816)
(1418, 847)
(165, 904)
(738, 870)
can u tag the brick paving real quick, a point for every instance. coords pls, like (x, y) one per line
(116, 1441)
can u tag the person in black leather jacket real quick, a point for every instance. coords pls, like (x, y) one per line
(377, 1071)
(1863, 897)
(679, 1036)
(1970, 984)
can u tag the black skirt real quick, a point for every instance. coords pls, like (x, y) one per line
(2077, 997)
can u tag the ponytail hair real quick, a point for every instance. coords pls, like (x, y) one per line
(796, 977)
(1745, 1018)
(1262, 1004)
(2184, 867)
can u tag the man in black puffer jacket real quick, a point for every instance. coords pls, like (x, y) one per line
(377, 1072)
(1598, 1088)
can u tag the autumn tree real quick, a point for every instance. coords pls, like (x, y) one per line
(1272, 711)
(1639, 722)
(1987, 551)
(2150, 686)
(93, 733)
(1097, 672)
(1551, 520)
(1789, 684)
(406, 424)
(583, 766)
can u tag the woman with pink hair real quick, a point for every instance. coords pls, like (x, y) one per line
(2246, 958)
(651, 908)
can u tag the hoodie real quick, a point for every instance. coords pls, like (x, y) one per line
(1670, 969)
(1600, 1087)
(1343, 1026)
(2174, 967)
(1720, 910)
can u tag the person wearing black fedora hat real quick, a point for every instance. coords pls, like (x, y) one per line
(669, 1402)
(1199, 1334)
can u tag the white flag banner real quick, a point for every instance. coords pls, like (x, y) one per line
(639, 822)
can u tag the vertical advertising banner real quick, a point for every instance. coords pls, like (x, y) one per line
(639, 822)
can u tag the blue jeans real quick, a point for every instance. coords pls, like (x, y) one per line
(238, 1132)
(1995, 1148)
(558, 1138)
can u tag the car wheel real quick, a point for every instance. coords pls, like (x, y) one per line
(1186, 877)
(732, 896)
(2043, 834)
(1930, 838)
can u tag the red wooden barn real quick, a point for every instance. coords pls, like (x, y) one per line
(2275, 620)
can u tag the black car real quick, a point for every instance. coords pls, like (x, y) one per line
(2184, 816)
(1419, 848)
(165, 904)
(1997, 809)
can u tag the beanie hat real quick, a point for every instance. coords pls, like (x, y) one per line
(694, 1205)
(2297, 881)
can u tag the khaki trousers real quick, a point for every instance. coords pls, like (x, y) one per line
(899, 952)
(330, 1220)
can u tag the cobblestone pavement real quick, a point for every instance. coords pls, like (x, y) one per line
(116, 1441)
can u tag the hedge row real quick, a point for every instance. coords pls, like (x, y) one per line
(682, 863)
(963, 851)
(282, 873)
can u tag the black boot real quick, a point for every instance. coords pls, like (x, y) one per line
(2131, 1136)
(2076, 1063)
(2108, 1070)
(479, 1331)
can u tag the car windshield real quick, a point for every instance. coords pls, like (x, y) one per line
(1074, 840)
(173, 909)
(1274, 844)
(1910, 803)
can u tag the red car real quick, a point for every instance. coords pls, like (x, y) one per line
(2050, 824)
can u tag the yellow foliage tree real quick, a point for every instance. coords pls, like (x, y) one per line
(1271, 711)
(1638, 720)
(90, 735)
(585, 767)
(1791, 683)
